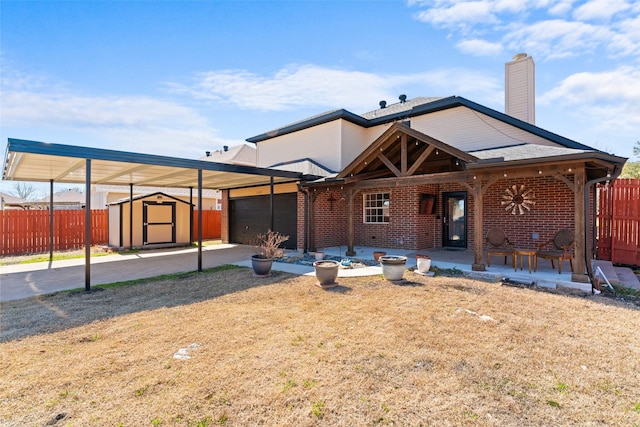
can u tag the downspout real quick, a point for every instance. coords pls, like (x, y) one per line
(588, 251)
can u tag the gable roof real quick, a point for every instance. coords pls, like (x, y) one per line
(159, 194)
(12, 200)
(413, 108)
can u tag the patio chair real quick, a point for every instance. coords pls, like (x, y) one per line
(499, 244)
(560, 248)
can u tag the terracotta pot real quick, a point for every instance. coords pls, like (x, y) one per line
(377, 255)
(393, 267)
(327, 273)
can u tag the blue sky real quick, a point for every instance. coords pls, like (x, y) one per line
(181, 77)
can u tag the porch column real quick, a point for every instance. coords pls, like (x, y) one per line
(478, 221)
(580, 213)
(312, 199)
(190, 215)
(350, 231)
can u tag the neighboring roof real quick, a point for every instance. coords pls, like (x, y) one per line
(43, 162)
(67, 197)
(148, 190)
(144, 196)
(417, 107)
(242, 154)
(12, 200)
(304, 166)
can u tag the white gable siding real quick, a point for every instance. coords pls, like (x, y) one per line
(320, 143)
(469, 130)
(354, 142)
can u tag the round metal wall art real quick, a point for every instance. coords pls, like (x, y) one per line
(518, 199)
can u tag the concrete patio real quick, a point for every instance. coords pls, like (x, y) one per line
(462, 259)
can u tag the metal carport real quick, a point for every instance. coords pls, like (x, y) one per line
(45, 162)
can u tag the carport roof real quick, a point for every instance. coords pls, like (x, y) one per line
(39, 161)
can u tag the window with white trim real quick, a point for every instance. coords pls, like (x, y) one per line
(376, 208)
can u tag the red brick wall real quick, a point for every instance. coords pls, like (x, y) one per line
(408, 229)
(224, 221)
(330, 225)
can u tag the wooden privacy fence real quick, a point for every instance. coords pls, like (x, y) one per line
(28, 231)
(619, 222)
(23, 232)
(211, 225)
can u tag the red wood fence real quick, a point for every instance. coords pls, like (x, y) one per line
(28, 231)
(24, 232)
(619, 222)
(211, 225)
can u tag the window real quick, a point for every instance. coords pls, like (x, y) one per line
(376, 208)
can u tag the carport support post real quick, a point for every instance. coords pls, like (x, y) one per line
(130, 216)
(350, 230)
(87, 229)
(200, 220)
(50, 220)
(271, 203)
(190, 215)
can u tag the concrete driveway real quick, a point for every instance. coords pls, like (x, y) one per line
(27, 280)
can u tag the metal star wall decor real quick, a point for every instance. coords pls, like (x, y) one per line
(518, 200)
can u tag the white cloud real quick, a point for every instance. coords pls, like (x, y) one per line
(557, 38)
(477, 47)
(546, 29)
(600, 9)
(452, 14)
(131, 123)
(609, 99)
(306, 86)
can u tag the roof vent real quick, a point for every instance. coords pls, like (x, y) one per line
(402, 98)
(225, 147)
(208, 153)
(383, 104)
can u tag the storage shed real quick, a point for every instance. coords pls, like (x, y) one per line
(157, 220)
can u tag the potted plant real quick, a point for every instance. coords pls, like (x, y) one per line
(393, 267)
(327, 273)
(319, 255)
(423, 263)
(268, 248)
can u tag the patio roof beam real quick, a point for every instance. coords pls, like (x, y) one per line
(77, 165)
(121, 173)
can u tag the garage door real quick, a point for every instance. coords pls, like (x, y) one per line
(249, 216)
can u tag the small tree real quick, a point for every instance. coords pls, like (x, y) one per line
(632, 169)
(24, 190)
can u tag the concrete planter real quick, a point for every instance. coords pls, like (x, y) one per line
(393, 267)
(327, 273)
(319, 255)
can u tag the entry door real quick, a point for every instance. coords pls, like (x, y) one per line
(158, 223)
(454, 232)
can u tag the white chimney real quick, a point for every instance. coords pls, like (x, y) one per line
(519, 88)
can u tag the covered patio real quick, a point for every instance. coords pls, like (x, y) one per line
(460, 259)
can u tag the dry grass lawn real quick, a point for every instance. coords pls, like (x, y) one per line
(280, 352)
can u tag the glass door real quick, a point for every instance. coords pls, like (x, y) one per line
(454, 219)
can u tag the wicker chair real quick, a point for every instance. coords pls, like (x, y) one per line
(499, 244)
(560, 249)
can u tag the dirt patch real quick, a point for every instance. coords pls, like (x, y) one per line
(281, 351)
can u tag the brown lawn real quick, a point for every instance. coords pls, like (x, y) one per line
(281, 351)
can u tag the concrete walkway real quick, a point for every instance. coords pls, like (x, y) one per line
(27, 280)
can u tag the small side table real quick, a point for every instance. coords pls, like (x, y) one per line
(529, 253)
